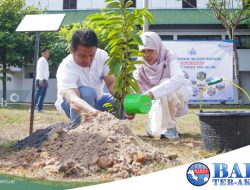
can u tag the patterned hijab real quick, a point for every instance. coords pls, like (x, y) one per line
(147, 75)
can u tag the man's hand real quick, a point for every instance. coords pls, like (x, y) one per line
(129, 117)
(41, 83)
(76, 103)
(95, 113)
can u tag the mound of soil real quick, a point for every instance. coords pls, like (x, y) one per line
(101, 144)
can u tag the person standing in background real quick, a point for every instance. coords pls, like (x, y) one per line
(42, 76)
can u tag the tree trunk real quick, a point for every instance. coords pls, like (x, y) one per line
(4, 83)
(4, 79)
(236, 75)
(236, 72)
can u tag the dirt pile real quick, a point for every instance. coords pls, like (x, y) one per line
(100, 145)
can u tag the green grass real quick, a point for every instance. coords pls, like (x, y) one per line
(23, 183)
(15, 122)
(14, 126)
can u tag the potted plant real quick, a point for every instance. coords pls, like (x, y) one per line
(224, 130)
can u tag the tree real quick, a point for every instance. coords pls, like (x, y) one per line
(57, 47)
(231, 14)
(15, 48)
(118, 27)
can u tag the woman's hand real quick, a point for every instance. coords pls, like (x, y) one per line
(150, 95)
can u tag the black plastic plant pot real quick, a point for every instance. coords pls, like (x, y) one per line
(224, 130)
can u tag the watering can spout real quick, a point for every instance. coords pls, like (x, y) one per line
(137, 103)
(215, 81)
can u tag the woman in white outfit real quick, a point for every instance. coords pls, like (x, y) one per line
(162, 79)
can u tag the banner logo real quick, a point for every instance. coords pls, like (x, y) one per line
(231, 175)
(198, 174)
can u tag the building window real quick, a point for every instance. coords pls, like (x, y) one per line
(166, 37)
(246, 4)
(200, 37)
(69, 4)
(242, 41)
(133, 5)
(28, 71)
(189, 4)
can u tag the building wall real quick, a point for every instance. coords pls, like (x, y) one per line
(42, 3)
(55, 4)
(244, 59)
(245, 78)
(92, 4)
(27, 91)
(22, 86)
(97, 4)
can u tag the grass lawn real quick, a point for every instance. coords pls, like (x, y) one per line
(14, 126)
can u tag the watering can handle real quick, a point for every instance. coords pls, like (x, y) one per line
(215, 81)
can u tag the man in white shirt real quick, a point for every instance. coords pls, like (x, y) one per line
(81, 77)
(42, 77)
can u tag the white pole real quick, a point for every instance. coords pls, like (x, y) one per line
(145, 27)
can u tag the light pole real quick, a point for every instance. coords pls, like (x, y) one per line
(145, 26)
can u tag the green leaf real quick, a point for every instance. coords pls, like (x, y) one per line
(133, 83)
(130, 69)
(128, 4)
(112, 13)
(136, 53)
(94, 19)
(115, 42)
(133, 43)
(113, 5)
(115, 49)
(110, 62)
(138, 62)
(112, 33)
(136, 38)
(117, 69)
(119, 18)
(149, 17)
(118, 82)
(135, 12)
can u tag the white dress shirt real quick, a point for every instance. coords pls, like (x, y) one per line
(42, 70)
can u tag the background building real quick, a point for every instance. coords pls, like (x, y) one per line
(175, 20)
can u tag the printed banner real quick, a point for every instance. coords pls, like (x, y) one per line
(202, 62)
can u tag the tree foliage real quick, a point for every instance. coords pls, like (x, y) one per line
(118, 28)
(57, 47)
(15, 48)
(231, 14)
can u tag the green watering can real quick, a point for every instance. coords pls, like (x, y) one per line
(137, 103)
